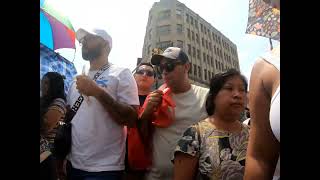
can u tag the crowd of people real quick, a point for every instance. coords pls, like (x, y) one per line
(123, 128)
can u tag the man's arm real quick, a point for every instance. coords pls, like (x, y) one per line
(144, 124)
(122, 113)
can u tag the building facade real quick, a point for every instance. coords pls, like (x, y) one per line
(171, 23)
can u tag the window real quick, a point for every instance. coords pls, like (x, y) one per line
(208, 59)
(191, 20)
(213, 37)
(216, 64)
(192, 33)
(197, 38)
(190, 70)
(205, 30)
(198, 54)
(164, 14)
(204, 57)
(149, 47)
(201, 27)
(199, 71)
(211, 60)
(215, 51)
(188, 30)
(189, 49)
(212, 75)
(150, 34)
(202, 42)
(179, 13)
(209, 75)
(210, 45)
(195, 70)
(193, 51)
(206, 44)
(163, 30)
(179, 28)
(209, 34)
(196, 24)
(180, 44)
(150, 20)
(163, 45)
(187, 17)
(205, 74)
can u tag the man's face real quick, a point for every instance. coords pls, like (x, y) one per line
(173, 71)
(92, 47)
(144, 77)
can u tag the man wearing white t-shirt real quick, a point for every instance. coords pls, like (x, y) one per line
(110, 103)
(190, 108)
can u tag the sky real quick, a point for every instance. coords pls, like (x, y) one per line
(126, 22)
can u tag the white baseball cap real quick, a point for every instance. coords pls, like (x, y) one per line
(173, 53)
(81, 33)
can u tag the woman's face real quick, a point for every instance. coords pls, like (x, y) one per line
(231, 99)
(44, 86)
(144, 77)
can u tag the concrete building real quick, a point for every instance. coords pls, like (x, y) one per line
(172, 23)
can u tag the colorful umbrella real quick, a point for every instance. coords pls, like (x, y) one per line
(53, 62)
(263, 20)
(56, 31)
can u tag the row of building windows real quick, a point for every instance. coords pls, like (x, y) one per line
(197, 71)
(206, 58)
(166, 14)
(166, 29)
(206, 31)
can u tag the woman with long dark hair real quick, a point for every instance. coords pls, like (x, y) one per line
(52, 110)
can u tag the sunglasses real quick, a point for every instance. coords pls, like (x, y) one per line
(146, 72)
(169, 66)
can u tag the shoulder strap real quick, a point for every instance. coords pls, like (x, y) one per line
(79, 101)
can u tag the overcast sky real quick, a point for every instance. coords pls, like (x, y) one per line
(126, 20)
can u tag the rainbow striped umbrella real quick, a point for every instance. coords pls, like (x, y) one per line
(56, 31)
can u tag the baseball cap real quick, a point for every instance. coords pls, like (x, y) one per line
(170, 53)
(95, 31)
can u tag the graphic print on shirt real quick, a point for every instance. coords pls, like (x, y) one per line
(101, 81)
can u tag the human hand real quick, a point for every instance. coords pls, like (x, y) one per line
(154, 101)
(87, 86)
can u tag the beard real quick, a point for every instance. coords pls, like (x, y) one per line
(91, 54)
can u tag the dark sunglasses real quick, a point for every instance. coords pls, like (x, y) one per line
(169, 66)
(147, 72)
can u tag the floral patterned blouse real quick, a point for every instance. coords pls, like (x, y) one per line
(221, 154)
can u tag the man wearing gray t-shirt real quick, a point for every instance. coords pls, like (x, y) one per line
(190, 108)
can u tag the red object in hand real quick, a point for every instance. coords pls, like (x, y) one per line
(164, 116)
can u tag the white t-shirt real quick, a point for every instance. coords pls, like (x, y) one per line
(190, 108)
(98, 142)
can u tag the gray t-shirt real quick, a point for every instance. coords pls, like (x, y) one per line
(190, 109)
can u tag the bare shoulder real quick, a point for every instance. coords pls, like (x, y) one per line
(265, 76)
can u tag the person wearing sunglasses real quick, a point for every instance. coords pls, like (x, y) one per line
(189, 99)
(138, 155)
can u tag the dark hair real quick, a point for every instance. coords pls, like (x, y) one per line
(55, 90)
(217, 82)
(147, 64)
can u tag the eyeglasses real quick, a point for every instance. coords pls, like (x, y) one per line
(169, 66)
(147, 72)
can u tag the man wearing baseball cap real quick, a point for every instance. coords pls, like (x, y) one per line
(110, 103)
(190, 108)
